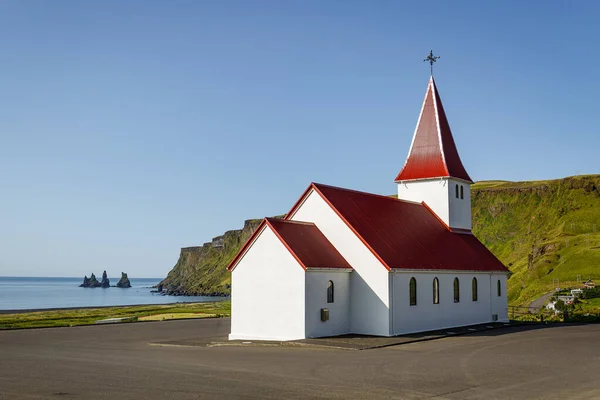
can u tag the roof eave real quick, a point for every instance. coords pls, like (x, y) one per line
(330, 269)
(470, 182)
(398, 270)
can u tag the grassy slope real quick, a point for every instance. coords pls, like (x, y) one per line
(542, 230)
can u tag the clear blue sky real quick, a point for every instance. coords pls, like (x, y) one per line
(129, 129)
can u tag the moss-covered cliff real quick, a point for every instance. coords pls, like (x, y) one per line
(546, 232)
(202, 270)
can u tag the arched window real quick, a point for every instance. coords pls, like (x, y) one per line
(456, 290)
(457, 190)
(474, 289)
(436, 291)
(499, 288)
(413, 291)
(330, 292)
(461, 192)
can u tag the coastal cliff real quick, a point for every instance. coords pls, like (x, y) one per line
(202, 270)
(546, 232)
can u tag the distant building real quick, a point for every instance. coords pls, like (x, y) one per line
(552, 307)
(344, 261)
(589, 284)
(576, 292)
(567, 299)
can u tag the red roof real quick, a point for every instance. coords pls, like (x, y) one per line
(403, 234)
(305, 242)
(433, 153)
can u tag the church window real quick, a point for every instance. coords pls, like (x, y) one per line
(413, 291)
(456, 290)
(461, 192)
(474, 289)
(330, 292)
(436, 291)
(499, 288)
(456, 186)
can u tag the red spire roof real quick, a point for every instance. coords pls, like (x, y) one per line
(432, 153)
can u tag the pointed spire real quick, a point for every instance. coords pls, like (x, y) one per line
(432, 153)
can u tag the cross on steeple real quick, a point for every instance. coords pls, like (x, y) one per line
(431, 58)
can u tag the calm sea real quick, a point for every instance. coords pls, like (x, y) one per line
(31, 293)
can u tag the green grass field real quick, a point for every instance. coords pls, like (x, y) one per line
(87, 316)
(589, 306)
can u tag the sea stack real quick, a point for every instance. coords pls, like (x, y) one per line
(124, 281)
(91, 282)
(105, 283)
(86, 282)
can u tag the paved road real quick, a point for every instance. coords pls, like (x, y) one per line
(540, 301)
(116, 362)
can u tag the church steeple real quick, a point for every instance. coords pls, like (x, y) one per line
(433, 152)
(433, 172)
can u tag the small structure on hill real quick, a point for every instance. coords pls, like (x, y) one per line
(567, 299)
(589, 284)
(576, 292)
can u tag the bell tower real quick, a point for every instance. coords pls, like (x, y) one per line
(433, 172)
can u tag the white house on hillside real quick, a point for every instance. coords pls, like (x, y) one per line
(344, 261)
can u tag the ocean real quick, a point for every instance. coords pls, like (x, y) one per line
(18, 293)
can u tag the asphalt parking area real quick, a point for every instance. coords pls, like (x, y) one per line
(117, 361)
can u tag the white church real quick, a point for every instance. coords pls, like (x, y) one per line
(350, 262)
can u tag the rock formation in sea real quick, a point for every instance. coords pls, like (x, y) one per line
(105, 283)
(91, 282)
(124, 281)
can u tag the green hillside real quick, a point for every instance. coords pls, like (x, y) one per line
(544, 231)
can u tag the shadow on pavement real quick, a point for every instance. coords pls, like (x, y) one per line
(365, 342)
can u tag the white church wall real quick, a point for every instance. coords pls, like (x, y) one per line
(369, 301)
(499, 303)
(426, 315)
(434, 192)
(267, 297)
(317, 282)
(460, 209)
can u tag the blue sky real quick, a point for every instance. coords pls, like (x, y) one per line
(129, 129)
